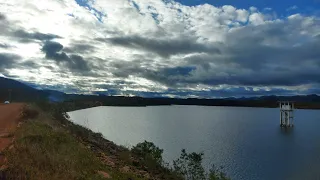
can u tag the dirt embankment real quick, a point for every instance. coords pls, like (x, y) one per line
(10, 116)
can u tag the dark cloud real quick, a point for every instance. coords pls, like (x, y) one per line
(219, 93)
(183, 71)
(265, 56)
(30, 36)
(4, 46)
(170, 76)
(80, 48)
(271, 55)
(293, 67)
(53, 50)
(11, 29)
(123, 69)
(2, 17)
(78, 63)
(275, 54)
(29, 64)
(8, 60)
(164, 48)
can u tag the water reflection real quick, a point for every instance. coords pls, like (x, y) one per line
(286, 130)
(248, 142)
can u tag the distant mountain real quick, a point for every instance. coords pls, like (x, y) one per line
(55, 96)
(297, 98)
(23, 92)
(19, 91)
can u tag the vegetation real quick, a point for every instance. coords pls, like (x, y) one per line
(45, 149)
(190, 167)
(187, 166)
(147, 150)
(40, 152)
(19, 92)
(48, 146)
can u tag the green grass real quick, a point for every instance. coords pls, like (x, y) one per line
(47, 146)
(43, 150)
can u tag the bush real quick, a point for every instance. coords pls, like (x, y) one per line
(47, 153)
(190, 167)
(149, 151)
(217, 174)
(29, 113)
(149, 158)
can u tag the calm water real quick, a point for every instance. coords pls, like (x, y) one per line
(248, 142)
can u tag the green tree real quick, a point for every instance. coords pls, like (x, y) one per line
(217, 174)
(151, 154)
(189, 165)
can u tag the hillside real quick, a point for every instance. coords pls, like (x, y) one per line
(21, 92)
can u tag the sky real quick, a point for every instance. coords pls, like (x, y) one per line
(163, 48)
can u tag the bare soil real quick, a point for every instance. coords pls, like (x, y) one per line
(10, 116)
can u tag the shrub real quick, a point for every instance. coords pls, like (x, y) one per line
(217, 174)
(190, 167)
(148, 151)
(29, 113)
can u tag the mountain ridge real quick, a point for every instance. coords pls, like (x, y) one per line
(23, 92)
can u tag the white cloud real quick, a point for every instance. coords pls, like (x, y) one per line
(267, 9)
(190, 32)
(242, 15)
(256, 18)
(292, 8)
(253, 9)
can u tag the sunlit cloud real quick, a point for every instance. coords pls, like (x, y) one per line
(159, 48)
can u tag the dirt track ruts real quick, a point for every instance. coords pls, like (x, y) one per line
(10, 115)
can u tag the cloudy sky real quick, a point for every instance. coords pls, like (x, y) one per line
(182, 48)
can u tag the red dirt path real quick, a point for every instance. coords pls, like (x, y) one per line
(10, 115)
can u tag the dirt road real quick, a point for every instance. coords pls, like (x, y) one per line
(9, 119)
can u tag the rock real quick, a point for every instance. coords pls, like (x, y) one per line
(125, 169)
(3, 160)
(144, 174)
(135, 163)
(108, 161)
(104, 174)
(5, 135)
(3, 168)
(19, 124)
(112, 151)
(103, 155)
(147, 175)
(11, 147)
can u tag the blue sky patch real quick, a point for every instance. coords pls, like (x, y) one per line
(280, 7)
(85, 3)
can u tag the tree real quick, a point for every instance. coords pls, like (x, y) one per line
(190, 167)
(148, 149)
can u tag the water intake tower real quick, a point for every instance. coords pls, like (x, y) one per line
(286, 113)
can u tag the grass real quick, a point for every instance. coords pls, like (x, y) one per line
(48, 146)
(45, 150)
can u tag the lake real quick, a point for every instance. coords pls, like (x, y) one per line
(247, 142)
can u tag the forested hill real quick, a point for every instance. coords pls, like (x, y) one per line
(19, 91)
(23, 92)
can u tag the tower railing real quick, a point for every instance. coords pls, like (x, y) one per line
(286, 113)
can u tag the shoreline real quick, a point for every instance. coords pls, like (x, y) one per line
(49, 146)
